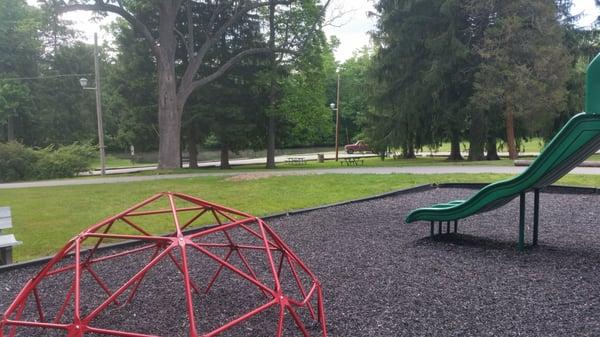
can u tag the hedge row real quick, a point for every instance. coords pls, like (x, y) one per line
(18, 162)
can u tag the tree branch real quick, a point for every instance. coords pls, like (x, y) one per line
(101, 6)
(196, 61)
(233, 61)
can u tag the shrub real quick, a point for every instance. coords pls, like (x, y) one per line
(64, 162)
(17, 162)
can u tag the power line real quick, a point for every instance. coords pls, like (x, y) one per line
(42, 77)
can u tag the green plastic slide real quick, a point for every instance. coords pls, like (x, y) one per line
(574, 143)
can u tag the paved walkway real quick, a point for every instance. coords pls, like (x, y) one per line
(288, 172)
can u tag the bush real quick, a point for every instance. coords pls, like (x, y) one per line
(18, 162)
(64, 162)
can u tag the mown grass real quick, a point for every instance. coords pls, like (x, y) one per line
(116, 162)
(45, 218)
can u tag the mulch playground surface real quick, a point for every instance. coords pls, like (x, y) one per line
(382, 277)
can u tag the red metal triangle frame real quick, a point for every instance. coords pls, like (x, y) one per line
(163, 248)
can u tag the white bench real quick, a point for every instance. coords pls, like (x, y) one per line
(7, 241)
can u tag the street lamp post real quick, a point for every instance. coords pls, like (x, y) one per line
(337, 117)
(98, 89)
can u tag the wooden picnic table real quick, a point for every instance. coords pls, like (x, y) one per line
(296, 160)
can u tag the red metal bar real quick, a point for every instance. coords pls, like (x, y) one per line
(214, 278)
(223, 214)
(77, 280)
(215, 245)
(129, 237)
(191, 221)
(321, 310)
(181, 270)
(37, 324)
(13, 331)
(132, 224)
(125, 253)
(280, 264)
(247, 265)
(281, 320)
(164, 210)
(139, 281)
(270, 257)
(38, 304)
(100, 259)
(234, 269)
(99, 281)
(306, 299)
(91, 253)
(301, 287)
(250, 247)
(63, 307)
(298, 321)
(38, 278)
(117, 293)
(211, 205)
(253, 232)
(289, 251)
(188, 292)
(220, 228)
(241, 318)
(125, 212)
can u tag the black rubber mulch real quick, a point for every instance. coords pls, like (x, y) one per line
(385, 278)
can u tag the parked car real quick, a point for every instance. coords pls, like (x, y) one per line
(359, 146)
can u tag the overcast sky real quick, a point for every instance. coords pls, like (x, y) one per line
(351, 29)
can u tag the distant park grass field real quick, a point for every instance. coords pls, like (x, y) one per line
(46, 217)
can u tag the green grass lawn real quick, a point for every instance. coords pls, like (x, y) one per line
(115, 162)
(530, 145)
(45, 218)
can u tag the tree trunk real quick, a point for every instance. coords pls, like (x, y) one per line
(192, 149)
(476, 136)
(491, 149)
(510, 135)
(169, 118)
(10, 128)
(408, 150)
(455, 147)
(169, 107)
(225, 157)
(271, 142)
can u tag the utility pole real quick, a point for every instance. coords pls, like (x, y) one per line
(99, 108)
(337, 118)
(97, 88)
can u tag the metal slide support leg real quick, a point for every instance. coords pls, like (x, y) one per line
(448, 227)
(440, 228)
(521, 245)
(432, 233)
(536, 215)
(455, 226)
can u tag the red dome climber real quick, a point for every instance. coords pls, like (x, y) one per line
(93, 289)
